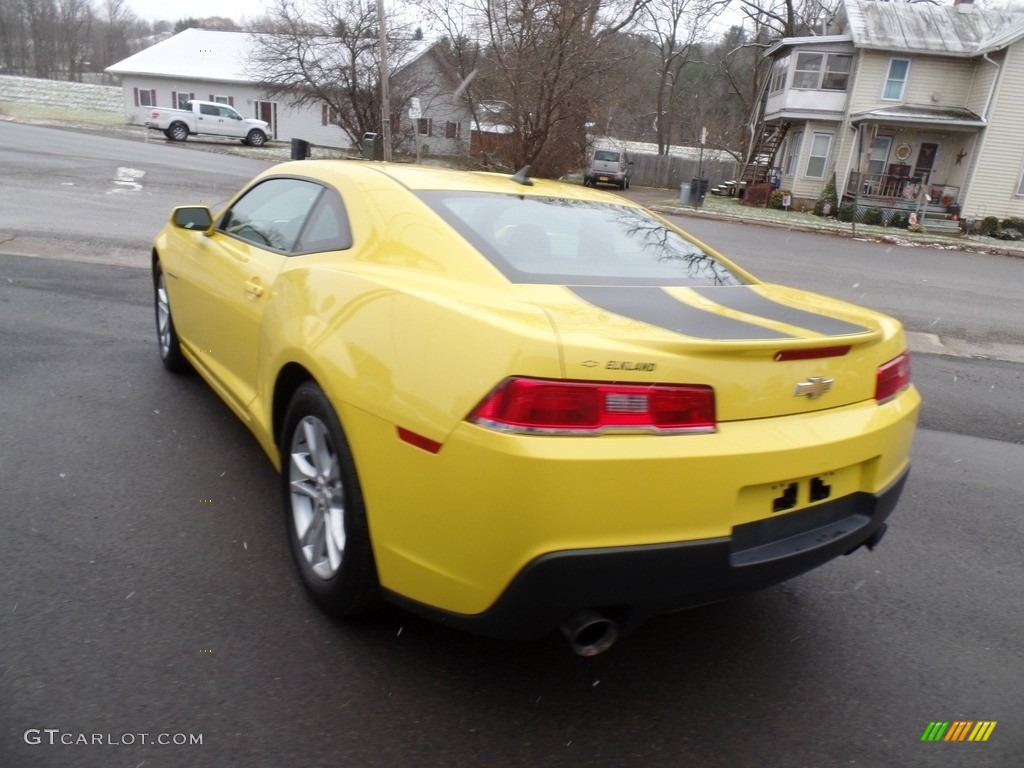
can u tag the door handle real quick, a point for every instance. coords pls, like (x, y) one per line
(253, 289)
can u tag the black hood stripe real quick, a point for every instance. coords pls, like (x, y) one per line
(745, 299)
(655, 307)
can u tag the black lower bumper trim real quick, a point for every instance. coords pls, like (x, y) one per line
(631, 584)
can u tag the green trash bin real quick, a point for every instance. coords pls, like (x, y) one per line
(373, 146)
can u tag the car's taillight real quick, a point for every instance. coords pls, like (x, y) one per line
(544, 406)
(892, 377)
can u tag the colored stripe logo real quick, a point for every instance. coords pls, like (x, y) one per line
(958, 730)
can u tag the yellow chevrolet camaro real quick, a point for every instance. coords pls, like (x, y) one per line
(516, 405)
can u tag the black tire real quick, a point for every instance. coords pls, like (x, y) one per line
(177, 132)
(166, 336)
(256, 138)
(323, 507)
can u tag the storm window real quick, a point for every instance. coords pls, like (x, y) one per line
(145, 97)
(896, 79)
(796, 139)
(822, 71)
(878, 154)
(779, 71)
(818, 156)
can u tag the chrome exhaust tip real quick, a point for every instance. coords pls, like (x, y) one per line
(590, 633)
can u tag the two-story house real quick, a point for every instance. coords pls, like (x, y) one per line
(909, 106)
(219, 66)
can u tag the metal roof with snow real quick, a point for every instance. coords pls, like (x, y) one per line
(195, 54)
(206, 54)
(942, 30)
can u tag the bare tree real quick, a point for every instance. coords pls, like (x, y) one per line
(15, 40)
(328, 53)
(788, 18)
(726, 88)
(73, 35)
(41, 16)
(542, 63)
(677, 27)
(114, 44)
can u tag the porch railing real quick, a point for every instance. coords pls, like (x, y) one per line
(906, 189)
(884, 185)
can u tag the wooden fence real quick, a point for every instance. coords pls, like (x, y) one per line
(670, 171)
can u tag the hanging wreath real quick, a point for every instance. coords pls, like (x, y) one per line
(903, 152)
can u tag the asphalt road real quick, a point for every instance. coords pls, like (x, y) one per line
(102, 198)
(147, 587)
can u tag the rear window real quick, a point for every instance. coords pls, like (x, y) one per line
(607, 156)
(576, 242)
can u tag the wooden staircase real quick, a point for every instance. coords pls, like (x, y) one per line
(762, 155)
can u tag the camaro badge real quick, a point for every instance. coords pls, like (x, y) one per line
(814, 387)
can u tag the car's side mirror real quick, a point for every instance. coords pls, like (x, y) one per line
(197, 217)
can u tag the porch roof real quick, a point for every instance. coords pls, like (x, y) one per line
(913, 114)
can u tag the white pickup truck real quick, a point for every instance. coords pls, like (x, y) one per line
(209, 118)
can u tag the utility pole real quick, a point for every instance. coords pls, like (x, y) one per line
(385, 100)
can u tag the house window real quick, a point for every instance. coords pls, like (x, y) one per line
(329, 115)
(145, 97)
(818, 156)
(452, 130)
(822, 71)
(837, 72)
(793, 153)
(221, 99)
(896, 80)
(878, 155)
(181, 99)
(425, 126)
(779, 70)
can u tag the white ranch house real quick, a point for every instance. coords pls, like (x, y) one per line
(911, 106)
(214, 66)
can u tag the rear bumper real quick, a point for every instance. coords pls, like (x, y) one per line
(608, 177)
(632, 583)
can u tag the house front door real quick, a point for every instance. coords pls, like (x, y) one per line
(267, 112)
(925, 161)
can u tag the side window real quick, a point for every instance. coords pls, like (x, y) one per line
(796, 140)
(229, 113)
(821, 143)
(808, 70)
(207, 109)
(271, 214)
(327, 228)
(896, 79)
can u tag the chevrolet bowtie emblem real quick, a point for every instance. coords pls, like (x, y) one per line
(814, 387)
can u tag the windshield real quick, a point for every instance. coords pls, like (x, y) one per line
(577, 242)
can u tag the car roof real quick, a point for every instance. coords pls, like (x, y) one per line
(418, 178)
